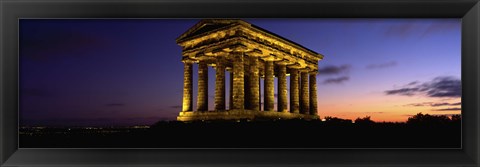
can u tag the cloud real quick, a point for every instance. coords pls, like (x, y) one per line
(445, 104)
(442, 27)
(419, 104)
(444, 87)
(333, 70)
(448, 109)
(115, 104)
(338, 80)
(413, 83)
(402, 91)
(441, 87)
(432, 104)
(420, 28)
(454, 104)
(382, 65)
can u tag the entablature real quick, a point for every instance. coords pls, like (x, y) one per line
(240, 36)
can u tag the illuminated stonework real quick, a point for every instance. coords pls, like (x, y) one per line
(249, 53)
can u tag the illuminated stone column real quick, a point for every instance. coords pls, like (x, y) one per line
(294, 90)
(238, 81)
(254, 95)
(304, 92)
(282, 88)
(187, 104)
(269, 97)
(313, 93)
(246, 82)
(202, 96)
(220, 85)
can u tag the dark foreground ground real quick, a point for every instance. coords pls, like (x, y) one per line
(267, 134)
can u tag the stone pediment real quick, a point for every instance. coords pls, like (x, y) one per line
(205, 26)
(210, 38)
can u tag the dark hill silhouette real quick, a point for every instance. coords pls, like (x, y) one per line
(420, 131)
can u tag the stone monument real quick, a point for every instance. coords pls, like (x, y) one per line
(249, 53)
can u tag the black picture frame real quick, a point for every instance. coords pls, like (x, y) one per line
(11, 11)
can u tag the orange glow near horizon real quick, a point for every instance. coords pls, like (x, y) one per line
(383, 108)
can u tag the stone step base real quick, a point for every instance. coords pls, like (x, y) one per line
(241, 115)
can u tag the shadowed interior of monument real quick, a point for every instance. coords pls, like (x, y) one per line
(250, 54)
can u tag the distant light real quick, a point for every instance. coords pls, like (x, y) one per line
(323, 120)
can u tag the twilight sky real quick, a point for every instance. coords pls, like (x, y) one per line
(98, 72)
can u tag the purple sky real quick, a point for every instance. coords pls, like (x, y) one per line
(100, 72)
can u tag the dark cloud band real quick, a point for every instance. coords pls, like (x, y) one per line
(336, 80)
(440, 87)
(432, 104)
(382, 65)
(448, 109)
(333, 70)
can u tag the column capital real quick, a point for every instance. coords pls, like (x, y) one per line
(255, 53)
(284, 62)
(188, 60)
(203, 57)
(271, 57)
(237, 47)
(215, 53)
(296, 66)
(305, 70)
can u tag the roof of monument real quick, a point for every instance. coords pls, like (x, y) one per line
(208, 25)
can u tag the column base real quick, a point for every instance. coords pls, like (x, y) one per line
(234, 115)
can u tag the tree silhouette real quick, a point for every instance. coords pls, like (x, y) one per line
(426, 119)
(364, 121)
(336, 120)
(456, 119)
